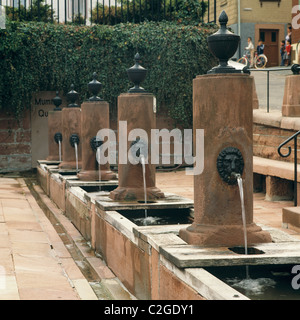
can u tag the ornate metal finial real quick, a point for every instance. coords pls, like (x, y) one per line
(57, 101)
(72, 96)
(137, 75)
(223, 45)
(223, 19)
(94, 87)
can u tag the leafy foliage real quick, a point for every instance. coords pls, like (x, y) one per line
(39, 56)
(181, 11)
(38, 11)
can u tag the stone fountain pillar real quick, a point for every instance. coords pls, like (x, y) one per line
(54, 129)
(71, 132)
(291, 97)
(222, 106)
(135, 111)
(94, 117)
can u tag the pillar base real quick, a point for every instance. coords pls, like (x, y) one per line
(93, 175)
(224, 235)
(131, 194)
(52, 158)
(69, 165)
(291, 97)
(291, 110)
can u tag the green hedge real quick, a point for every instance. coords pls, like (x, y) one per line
(41, 56)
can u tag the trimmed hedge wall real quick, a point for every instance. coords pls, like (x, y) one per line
(41, 56)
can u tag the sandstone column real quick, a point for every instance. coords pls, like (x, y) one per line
(54, 129)
(136, 111)
(223, 108)
(291, 97)
(71, 127)
(94, 116)
(226, 116)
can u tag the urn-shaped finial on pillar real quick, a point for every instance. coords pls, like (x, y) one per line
(94, 87)
(57, 101)
(223, 45)
(72, 96)
(137, 75)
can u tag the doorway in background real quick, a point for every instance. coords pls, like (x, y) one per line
(271, 41)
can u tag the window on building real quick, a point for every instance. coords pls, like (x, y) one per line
(262, 1)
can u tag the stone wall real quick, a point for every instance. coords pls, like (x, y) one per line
(22, 142)
(267, 139)
(269, 131)
(15, 143)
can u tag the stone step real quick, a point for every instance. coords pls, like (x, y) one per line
(276, 168)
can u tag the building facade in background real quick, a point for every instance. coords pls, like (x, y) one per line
(259, 19)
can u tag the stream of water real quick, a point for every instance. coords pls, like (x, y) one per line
(59, 149)
(248, 285)
(98, 153)
(76, 155)
(240, 184)
(144, 182)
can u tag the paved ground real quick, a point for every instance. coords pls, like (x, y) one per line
(35, 262)
(265, 212)
(276, 86)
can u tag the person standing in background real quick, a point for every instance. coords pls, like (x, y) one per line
(289, 35)
(282, 52)
(288, 48)
(250, 47)
(260, 48)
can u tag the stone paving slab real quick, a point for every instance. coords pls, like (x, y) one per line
(189, 256)
(34, 263)
(105, 284)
